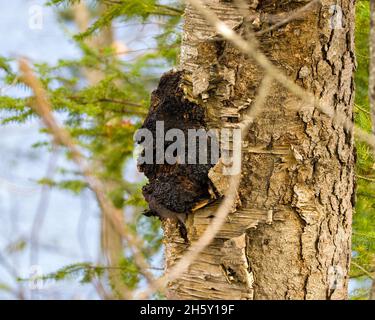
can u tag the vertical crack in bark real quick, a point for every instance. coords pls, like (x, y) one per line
(297, 165)
(235, 264)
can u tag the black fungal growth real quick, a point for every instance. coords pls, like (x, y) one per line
(174, 189)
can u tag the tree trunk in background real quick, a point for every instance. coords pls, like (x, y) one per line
(111, 240)
(290, 236)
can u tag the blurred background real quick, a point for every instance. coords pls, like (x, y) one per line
(44, 228)
(51, 229)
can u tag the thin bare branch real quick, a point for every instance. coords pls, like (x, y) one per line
(367, 273)
(272, 72)
(62, 137)
(226, 205)
(41, 211)
(297, 14)
(249, 48)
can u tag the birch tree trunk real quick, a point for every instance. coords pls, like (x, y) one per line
(290, 234)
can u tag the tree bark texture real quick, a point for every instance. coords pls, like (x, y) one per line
(289, 236)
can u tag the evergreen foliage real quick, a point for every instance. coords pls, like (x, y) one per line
(364, 216)
(103, 118)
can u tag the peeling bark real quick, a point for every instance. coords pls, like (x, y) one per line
(289, 236)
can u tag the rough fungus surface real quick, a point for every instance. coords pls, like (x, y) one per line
(174, 189)
(290, 235)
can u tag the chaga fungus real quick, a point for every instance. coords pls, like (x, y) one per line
(173, 190)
